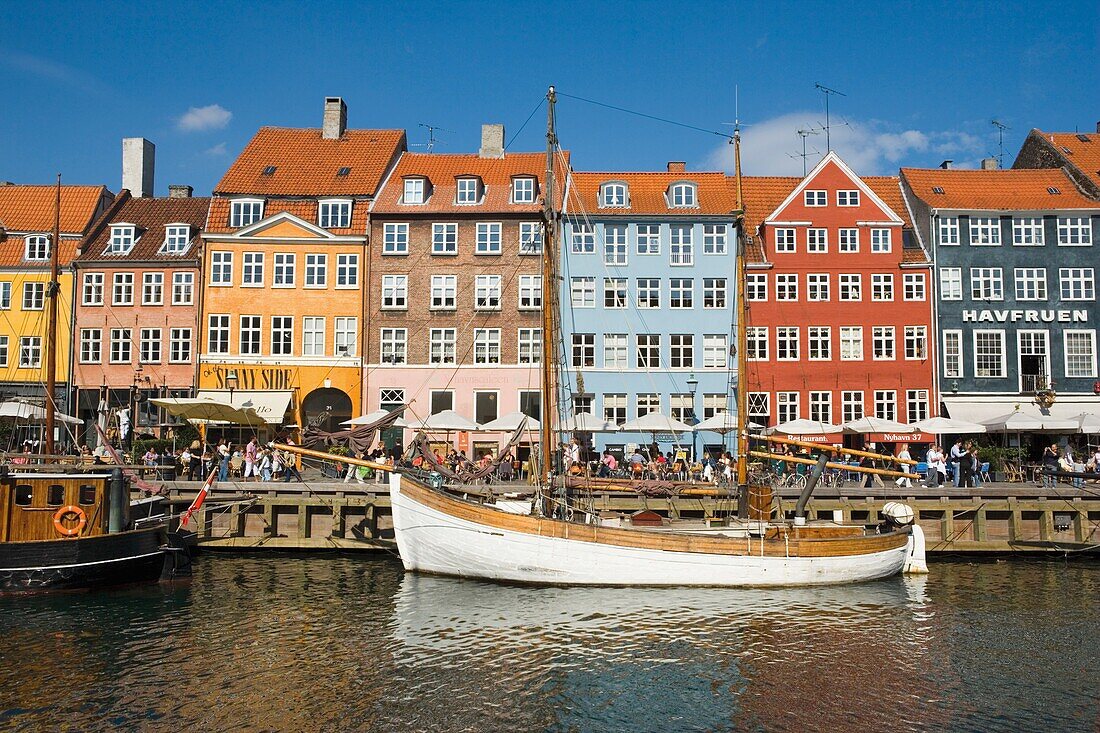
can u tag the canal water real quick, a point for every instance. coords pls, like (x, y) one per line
(334, 643)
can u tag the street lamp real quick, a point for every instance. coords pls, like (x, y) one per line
(693, 385)
(231, 383)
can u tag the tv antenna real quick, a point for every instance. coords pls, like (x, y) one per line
(805, 133)
(1001, 127)
(432, 129)
(828, 93)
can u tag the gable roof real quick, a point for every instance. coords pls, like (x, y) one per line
(306, 164)
(442, 170)
(1079, 149)
(996, 190)
(28, 208)
(646, 193)
(150, 217)
(831, 159)
(305, 209)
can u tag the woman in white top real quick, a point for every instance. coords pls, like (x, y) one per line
(903, 454)
(936, 462)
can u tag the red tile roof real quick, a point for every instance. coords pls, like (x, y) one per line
(12, 251)
(997, 190)
(308, 165)
(1085, 156)
(150, 216)
(442, 170)
(305, 209)
(31, 208)
(647, 193)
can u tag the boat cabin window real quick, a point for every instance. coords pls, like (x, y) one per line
(55, 495)
(87, 495)
(23, 494)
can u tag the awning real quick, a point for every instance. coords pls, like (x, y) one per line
(984, 409)
(270, 405)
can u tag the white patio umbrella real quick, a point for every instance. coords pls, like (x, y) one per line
(656, 422)
(203, 410)
(1021, 422)
(722, 423)
(584, 422)
(16, 410)
(1088, 422)
(446, 421)
(510, 423)
(947, 426)
(373, 417)
(868, 424)
(802, 426)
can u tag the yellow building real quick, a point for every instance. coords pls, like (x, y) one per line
(284, 260)
(26, 233)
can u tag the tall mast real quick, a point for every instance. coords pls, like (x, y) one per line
(549, 291)
(52, 289)
(742, 332)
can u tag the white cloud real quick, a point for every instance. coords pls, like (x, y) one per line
(217, 150)
(872, 147)
(210, 117)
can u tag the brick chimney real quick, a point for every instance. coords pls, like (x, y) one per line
(946, 165)
(179, 191)
(492, 141)
(989, 164)
(138, 164)
(335, 122)
(676, 166)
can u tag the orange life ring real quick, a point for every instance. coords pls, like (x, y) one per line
(81, 520)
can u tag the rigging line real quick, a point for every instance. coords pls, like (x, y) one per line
(542, 101)
(723, 135)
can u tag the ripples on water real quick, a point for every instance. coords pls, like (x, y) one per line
(292, 643)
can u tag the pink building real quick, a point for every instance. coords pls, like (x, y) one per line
(136, 317)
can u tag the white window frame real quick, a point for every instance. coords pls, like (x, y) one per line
(394, 345)
(715, 351)
(123, 238)
(614, 195)
(487, 346)
(951, 283)
(886, 404)
(414, 190)
(756, 287)
(34, 296)
(443, 346)
(36, 248)
(1090, 335)
(529, 346)
(180, 345)
(150, 341)
(1073, 279)
(314, 336)
(152, 288)
(395, 292)
(347, 271)
(1027, 231)
(848, 239)
(616, 292)
(282, 336)
(221, 269)
(887, 337)
(914, 286)
(334, 213)
(91, 292)
(530, 238)
(757, 344)
(648, 292)
(714, 239)
(489, 238)
(345, 336)
(853, 284)
(851, 343)
(252, 269)
(817, 287)
(444, 238)
(788, 343)
(985, 231)
(947, 231)
(395, 239)
(786, 287)
(122, 346)
(786, 240)
(250, 335)
(616, 351)
(882, 240)
(1000, 334)
(882, 287)
(681, 351)
(1030, 283)
(715, 293)
(648, 239)
(821, 405)
(683, 195)
(284, 269)
(582, 351)
(815, 198)
(916, 405)
(817, 240)
(582, 239)
(953, 353)
(616, 245)
(523, 190)
(582, 292)
(467, 191)
(681, 293)
(847, 198)
(122, 284)
(91, 345)
(317, 267)
(788, 406)
(819, 343)
(915, 342)
(177, 239)
(245, 212)
(1074, 231)
(487, 292)
(217, 324)
(444, 292)
(987, 284)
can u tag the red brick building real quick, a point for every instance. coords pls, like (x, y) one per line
(838, 296)
(137, 291)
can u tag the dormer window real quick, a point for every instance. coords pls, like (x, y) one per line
(682, 195)
(176, 238)
(334, 214)
(523, 190)
(847, 198)
(415, 191)
(243, 212)
(614, 196)
(122, 239)
(37, 248)
(467, 190)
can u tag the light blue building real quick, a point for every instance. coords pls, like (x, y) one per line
(648, 301)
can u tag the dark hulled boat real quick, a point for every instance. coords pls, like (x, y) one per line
(61, 531)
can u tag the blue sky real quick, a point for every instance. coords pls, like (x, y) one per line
(923, 80)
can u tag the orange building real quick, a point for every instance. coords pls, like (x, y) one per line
(284, 254)
(26, 234)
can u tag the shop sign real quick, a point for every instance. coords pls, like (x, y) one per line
(253, 378)
(1027, 316)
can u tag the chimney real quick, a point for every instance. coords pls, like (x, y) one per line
(179, 191)
(676, 166)
(989, 164)
(1098, 126)
(946, 165)
(336, 119)
(137, 166)
(492, 141)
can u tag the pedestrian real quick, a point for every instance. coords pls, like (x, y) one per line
(278, 466)
(976, 463)
(957, 450)
(223, 460)
(1077, 466)
(937, 469)
(966, 469)
(290, 467)
(266, 464)
(1050, 465)
(251, 469)
(903, 455)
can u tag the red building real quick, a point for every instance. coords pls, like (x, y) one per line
(839, 302)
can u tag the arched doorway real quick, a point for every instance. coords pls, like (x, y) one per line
(329, 400)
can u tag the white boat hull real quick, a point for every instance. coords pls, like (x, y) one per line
(434, 541)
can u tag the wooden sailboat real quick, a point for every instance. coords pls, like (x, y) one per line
(561, 544)
(77, 531)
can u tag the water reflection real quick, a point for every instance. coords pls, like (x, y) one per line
(288, 643)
